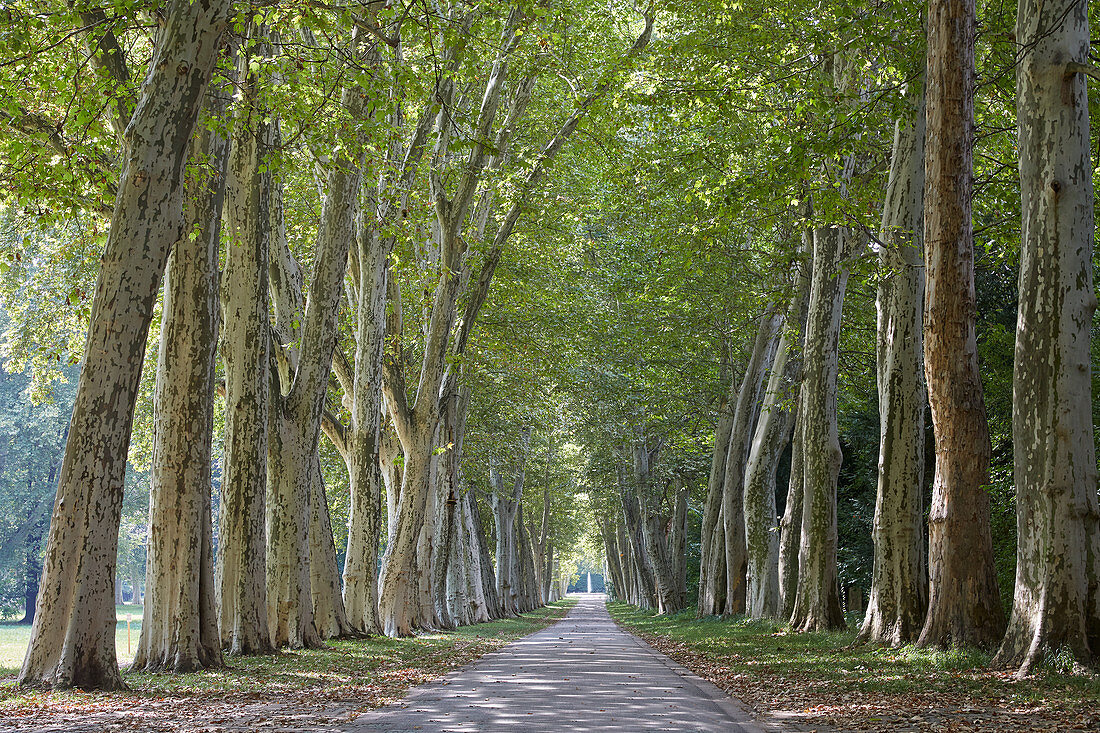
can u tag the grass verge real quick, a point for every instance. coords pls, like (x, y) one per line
(821, 680)
(14, 638)
(305, 688)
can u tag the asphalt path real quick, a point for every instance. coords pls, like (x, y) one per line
(583, 673)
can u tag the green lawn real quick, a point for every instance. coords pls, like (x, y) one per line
(14, 638)
(348, 676)
(822, 679)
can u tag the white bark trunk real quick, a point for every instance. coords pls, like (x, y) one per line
(899, 585)
(773, 430)
(241, 558)
(329, 616)
(1057, 600)
(72, 639)
(733, 484)
(179, 630)
(712, 565)
(817, 602)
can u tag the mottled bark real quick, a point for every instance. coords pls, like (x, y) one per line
(773, 431)
(505, 512)
(179, 629)
(659, 550)
(480, 546)
(712, 567)
(1057, 599)
(241, 556)
(964, 604)
(645, 595)
(745, 413)
(72, 638)
(817, 602)
(329, 616)
(898, 597)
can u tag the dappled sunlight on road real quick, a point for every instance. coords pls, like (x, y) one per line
(583, 674)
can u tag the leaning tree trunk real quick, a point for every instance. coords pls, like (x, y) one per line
(712, 568)
(1057, 599)
(897, 600)
(179, 629)
(73, 636)
(614, 562)
(744, 425)
(329, 615)
(817, 602)
(241, 557)
(773, 431)
(399, 582)
(964, 604)
(646, 596)
(657, 547)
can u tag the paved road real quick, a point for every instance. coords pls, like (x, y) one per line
(582, 674)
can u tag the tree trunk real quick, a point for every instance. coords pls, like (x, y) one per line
(964, 604)
(73, 636)
(646, 594)
(712, 567)
(1057, 599)
(897, 601)
(659, 551)
(366, 469)
(507, 555)
(179, 628)
(399, 583)
(817, 601)
(773, 430)
(329, 616)
(790, 526)
(241, 556)
(32, 576)
(488, 577)
(733, 486)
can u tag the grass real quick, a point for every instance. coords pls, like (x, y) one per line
(822, 678)
(14, 638)
(347, 677)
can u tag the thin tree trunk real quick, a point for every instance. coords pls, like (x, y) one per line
(72, 639)
(741, 434)
(712, 568)
(32, 576)
(773, 431)
(964, 602)
(898, 597)
(1057, 599)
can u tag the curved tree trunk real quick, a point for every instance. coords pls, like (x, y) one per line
(964, 602)
(72, 639)
(179, 629)
(898, 597)
(744, 425)
(1057, 599)
(773, 430)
